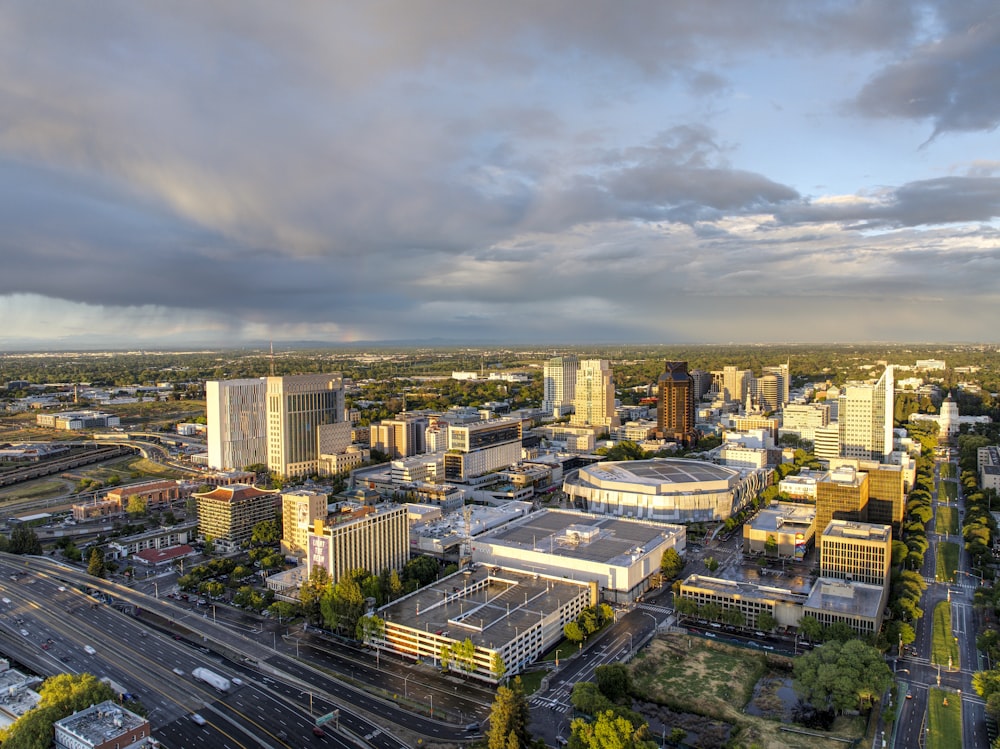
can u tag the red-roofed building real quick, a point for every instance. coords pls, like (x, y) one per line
(159, 557)
(227, 514)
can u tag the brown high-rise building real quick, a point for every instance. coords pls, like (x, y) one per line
(675, 404)
(841, 495)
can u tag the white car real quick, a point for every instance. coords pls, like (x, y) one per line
(24, 632)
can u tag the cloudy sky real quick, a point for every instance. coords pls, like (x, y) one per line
(191, 173)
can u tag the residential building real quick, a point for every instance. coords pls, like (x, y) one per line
(298, 407)
(359, 537)
(864, 418)
(227, 514)
(559, 385)
(841, 495)
(300, 510)
(158, 538)
(856, 551)
(675, 404)
(594, 403)
(237, 423)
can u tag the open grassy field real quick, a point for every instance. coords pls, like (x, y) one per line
(944, 720)
(947, 520)
(45, 488)
(691, 674)
(943, 643)
(947, 561)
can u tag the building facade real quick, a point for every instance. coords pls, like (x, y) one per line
(864, 419)
(856, 551)
(559, 385)
(594, 404)
(227, 514)
(675, 404)
(237, 423)
(299, 512)
(359, 537)
(481, 447)
(842, 495)
(297, 408)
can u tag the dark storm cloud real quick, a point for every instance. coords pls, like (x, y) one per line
(951, 80)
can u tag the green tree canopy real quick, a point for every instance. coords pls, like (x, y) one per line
(614, 681)
(841, 676)
(96, 566)
(23, 540)
(608, 731)
(671, 564)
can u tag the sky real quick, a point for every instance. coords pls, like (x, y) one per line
(565, 171)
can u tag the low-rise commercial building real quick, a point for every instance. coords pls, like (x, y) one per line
(102, 726)
(782, 530)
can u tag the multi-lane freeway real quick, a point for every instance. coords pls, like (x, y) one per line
(275, 705)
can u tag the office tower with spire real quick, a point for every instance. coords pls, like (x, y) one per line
(675, 404)
(864, 419)
(559, 385)
(594, 404)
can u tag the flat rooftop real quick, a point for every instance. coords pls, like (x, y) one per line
(489, 605)
(100, 723)
(862, 531)
(787, 516)
(747, 591)
(846, 597)
(577, 535)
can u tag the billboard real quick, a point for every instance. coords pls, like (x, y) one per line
(800, 546)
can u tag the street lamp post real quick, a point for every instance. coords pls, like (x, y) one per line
(405, 679)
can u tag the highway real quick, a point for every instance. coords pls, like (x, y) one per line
(150, 659)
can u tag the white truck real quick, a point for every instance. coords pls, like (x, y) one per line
(210, 677)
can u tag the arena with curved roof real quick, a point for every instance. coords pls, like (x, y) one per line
(674, 490)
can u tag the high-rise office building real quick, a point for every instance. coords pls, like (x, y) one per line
(864, 419)
(594, 404)
(298, 407)
(781, 372)
(886, 490)
(559, 385)
(237, 427)
(768, 392)
(227, 514)
(480, 447)
(675, 404)
(732, 384)
(842, 495)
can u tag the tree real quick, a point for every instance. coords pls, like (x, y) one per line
(771, 545)
(96, 567)
(573, 632)
(766, 621)
(711, 563)
(509, 715)
(311, 593)
(608, 731)
(588, 621)
(614, 681)
(671, 564)
(810, 628)
(23, 540)
(265, 533)
(497, 667)
(370, 629)
(841, 676)
(61, 695)
(137, 505)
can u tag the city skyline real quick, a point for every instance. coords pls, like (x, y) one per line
(191, 175)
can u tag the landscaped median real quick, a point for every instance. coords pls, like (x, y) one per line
(946, 520)
(944, 720)
(946, 562)
(944, 646)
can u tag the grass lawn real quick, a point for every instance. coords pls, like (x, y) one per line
(947, 470)
(950, 490)
(531, 680)
(944, 721)
(38, 489)
(947, 561)
(564, 650)
(947, 520)
(691, 674)
(943, 643)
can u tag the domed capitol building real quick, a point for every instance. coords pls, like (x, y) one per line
(668, 490)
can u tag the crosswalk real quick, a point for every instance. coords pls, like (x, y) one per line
(654, 607)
